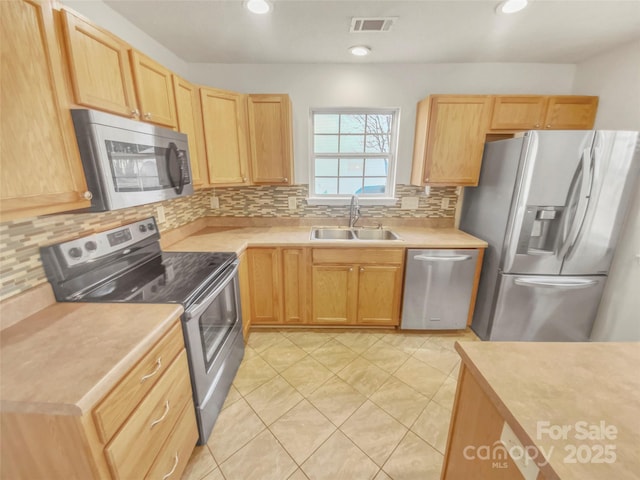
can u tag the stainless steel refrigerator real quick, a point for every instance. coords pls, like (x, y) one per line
(551, 206)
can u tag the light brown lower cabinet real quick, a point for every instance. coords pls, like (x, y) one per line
(145, 427)
(277, 285)
(356, 286)
(245, 300)
(476, 424)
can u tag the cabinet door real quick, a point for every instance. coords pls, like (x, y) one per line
(99, 68)
(518, 112)
(449, 139)
(154, 87)
(294, 275)
(224, 119)
(335, 292)
(245, 298)
(270, 138)
(379, 293)
(264, 285)
(570, 112)
(190, 122)
(40, 169)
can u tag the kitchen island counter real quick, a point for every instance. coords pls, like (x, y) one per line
(576, 404)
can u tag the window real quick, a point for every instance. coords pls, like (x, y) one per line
(353, 153)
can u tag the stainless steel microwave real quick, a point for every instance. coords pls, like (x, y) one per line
(129, 163)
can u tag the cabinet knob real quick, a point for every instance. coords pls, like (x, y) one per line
(549, 126)
(244, 179)
(285, 179)
(147, 115)
(351, 269)
(87, 195)
(537, 125)
(135, 113)
(362, 269)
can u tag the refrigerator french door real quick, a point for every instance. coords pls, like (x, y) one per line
(549, 204)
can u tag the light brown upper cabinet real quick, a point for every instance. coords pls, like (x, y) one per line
(108, 75)
(224, 119)
(154, 88)
(533, 112)
(99, 68)
(189, 117)
(449, 139)
(270, 139)
(570, 112)
(40, 168)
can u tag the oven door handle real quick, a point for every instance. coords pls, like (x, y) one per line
(197, 308)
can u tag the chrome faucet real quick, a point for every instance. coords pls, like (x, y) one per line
(354, 211)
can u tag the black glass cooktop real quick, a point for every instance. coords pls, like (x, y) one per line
(170, 277)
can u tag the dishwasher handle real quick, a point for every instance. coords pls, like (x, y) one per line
(450, 258)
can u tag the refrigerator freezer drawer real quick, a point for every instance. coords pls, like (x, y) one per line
(546, 308)
(437, 289)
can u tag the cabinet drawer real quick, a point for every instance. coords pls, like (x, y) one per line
(150, 424)
(176, 452)
(117, 406)
(363, 256)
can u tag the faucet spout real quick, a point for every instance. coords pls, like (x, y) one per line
(354, 211)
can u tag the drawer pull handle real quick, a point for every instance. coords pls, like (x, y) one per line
(175, 465)
(158, 367)
(166, 411)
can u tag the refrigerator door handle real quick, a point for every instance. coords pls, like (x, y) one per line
(583, 203)
(547, 283)
(432, 258)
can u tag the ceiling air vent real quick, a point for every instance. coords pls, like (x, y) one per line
(371, 24)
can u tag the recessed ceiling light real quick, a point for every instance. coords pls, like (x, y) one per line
(258, 6)
(511, 6)
(360, 50)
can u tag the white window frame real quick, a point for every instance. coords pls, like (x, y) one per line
(386, 198)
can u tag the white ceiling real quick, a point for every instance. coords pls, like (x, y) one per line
(427, 31)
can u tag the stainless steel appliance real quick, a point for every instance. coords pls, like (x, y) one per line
(125, 264)
(128, 163)
(438, 288)
(551, 206)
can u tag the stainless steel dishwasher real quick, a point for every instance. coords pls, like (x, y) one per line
(437, 289)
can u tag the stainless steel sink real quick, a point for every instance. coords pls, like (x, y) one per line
(331, 234)
(377, 234)
(338, 233)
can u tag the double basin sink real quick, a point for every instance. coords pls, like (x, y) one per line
(338, 233)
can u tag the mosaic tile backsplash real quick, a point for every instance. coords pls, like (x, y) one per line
(20, 240)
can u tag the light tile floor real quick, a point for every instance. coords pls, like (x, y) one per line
(335, 405)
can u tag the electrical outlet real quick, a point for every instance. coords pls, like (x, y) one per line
(214, 202)
(518, 453)
(293, 203)
(409, 203)
(160, 214)
(445, 203)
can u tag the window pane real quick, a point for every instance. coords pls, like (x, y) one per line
(377, 143)
(326, 167)
(375, 185)
(352, 143)
(350, 186)
(351, 167)
(326, 186)
(352, 123)
(326, 123)
(326, 144)
(376, 166)
(378, 123)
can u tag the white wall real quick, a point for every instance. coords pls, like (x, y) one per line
(376, 85)
(615, 77)
(106, 17)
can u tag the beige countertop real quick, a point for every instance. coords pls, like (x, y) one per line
(542, 387)
(66, 357)
(237, 239)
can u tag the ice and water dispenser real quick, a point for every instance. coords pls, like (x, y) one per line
(539, 232)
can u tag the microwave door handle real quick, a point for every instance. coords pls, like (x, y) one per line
(173, 153)
(583, 203)
(196, 309)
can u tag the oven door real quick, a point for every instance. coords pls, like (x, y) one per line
(211, 326)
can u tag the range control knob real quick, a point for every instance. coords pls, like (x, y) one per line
(142, 228)
(91, 245)
(151, 227)
(75, 252)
